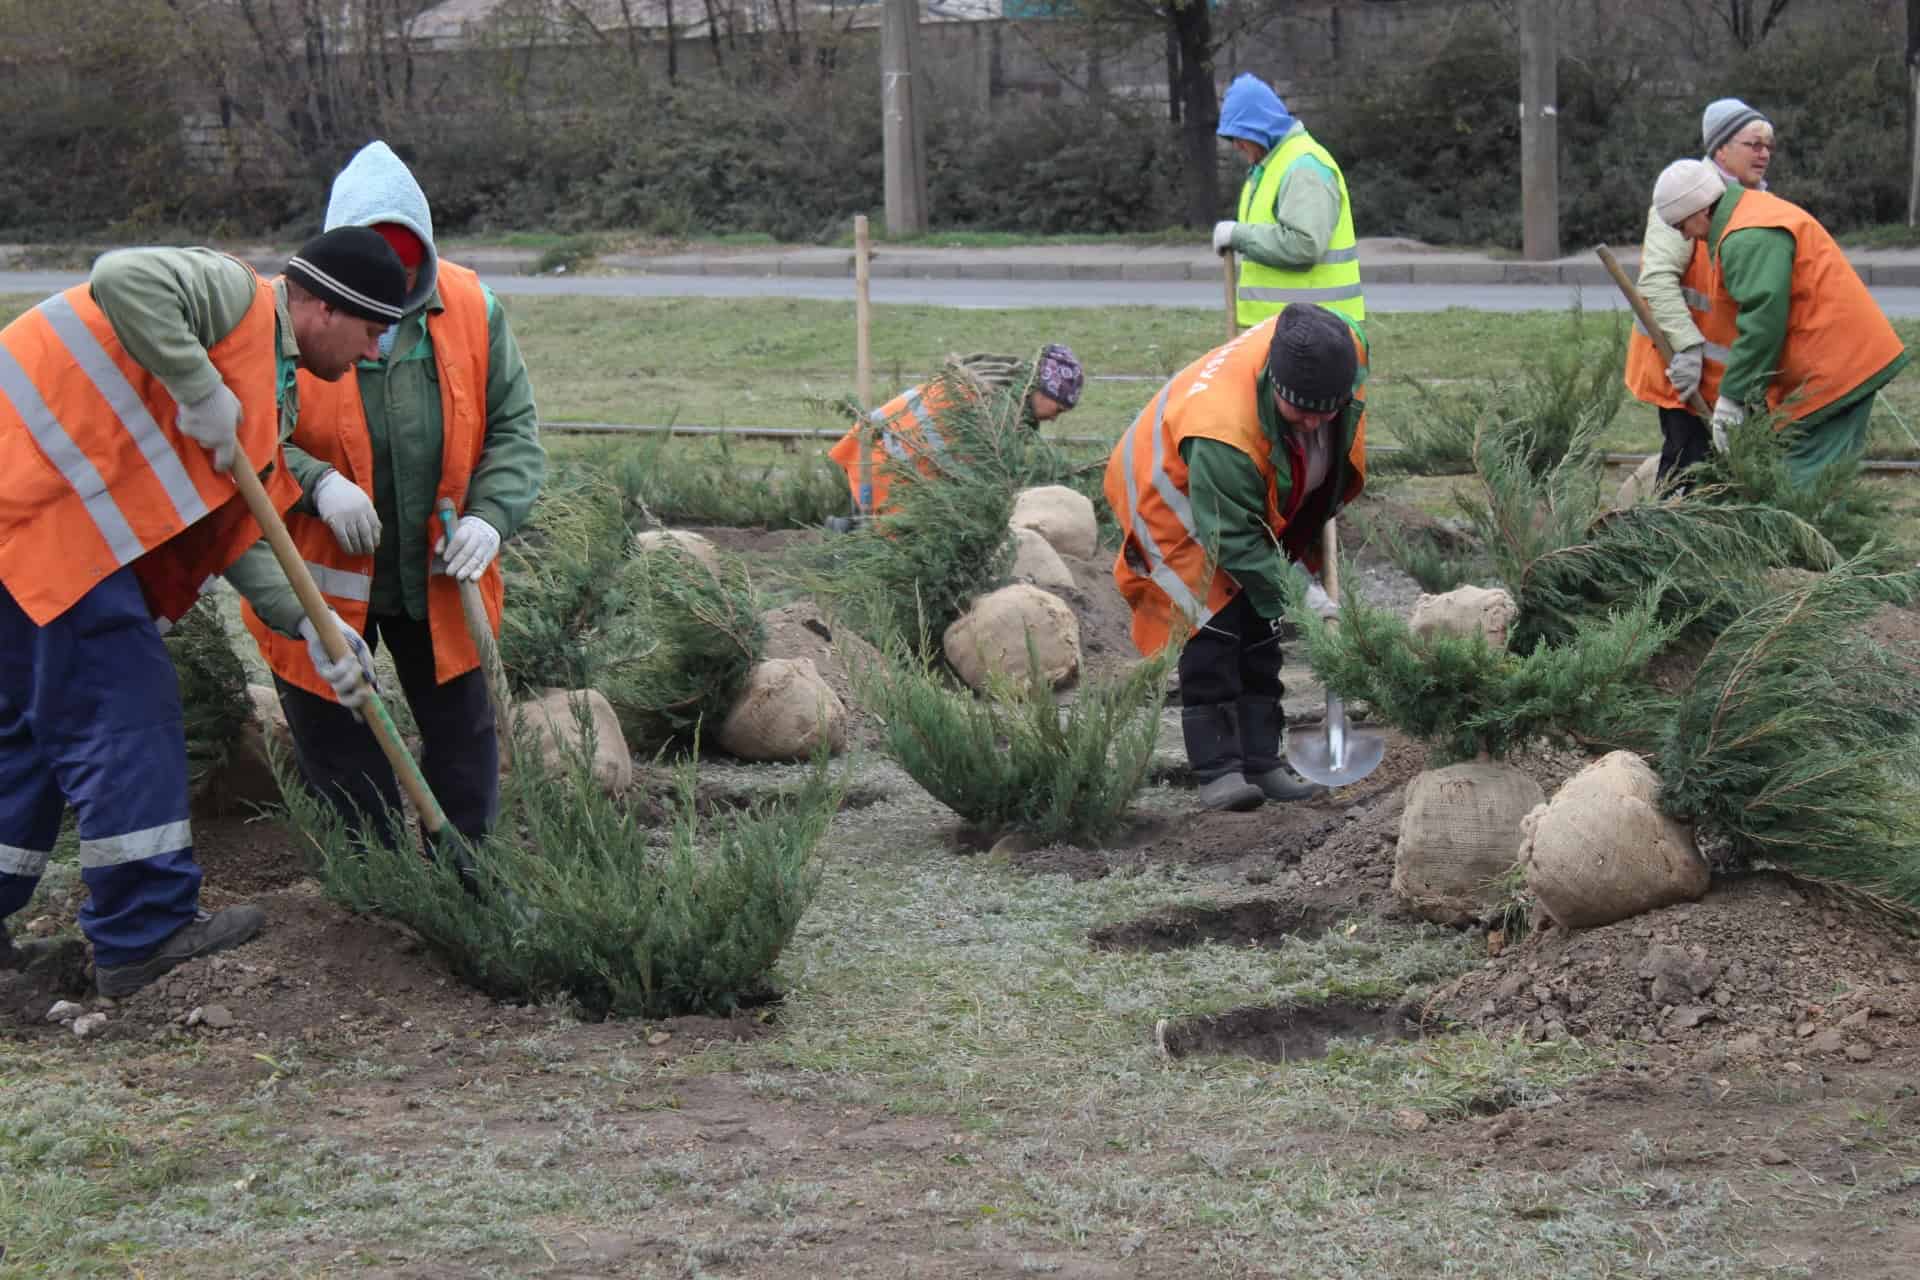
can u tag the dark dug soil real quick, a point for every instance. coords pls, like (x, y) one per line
(1762, 968)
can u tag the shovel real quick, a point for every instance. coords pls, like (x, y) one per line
(481, 632)
(1338, 754)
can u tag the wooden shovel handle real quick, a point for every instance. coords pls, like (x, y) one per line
(1645, 314)
(480, 631)
(432, 817)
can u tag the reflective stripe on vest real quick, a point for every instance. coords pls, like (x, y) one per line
(99, 477)
(1334, 281)
(1158, 569)
(342, 584)
(1646, 373)
(896, 446)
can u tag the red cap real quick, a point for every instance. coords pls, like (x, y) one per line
(406, 245)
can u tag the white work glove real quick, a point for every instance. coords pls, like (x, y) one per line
(212, 423)
(1223, 236)
(1321, 603)
(1683, 371)
(352, 676)
(349, 512)
(1726, 413)
(475, 544)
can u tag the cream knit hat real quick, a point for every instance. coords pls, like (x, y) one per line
(1684, 188)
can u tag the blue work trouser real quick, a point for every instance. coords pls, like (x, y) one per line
(90, 717)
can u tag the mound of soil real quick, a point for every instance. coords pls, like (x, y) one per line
(1764, 967)
(1106, 624)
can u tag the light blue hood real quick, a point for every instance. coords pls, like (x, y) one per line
(377, 186)
(1252, 110)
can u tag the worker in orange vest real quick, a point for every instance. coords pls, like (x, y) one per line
(124, 402)
(906, 430)
(1221, 488)
(442, 409)
(1804, 339)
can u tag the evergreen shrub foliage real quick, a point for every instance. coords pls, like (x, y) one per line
(666, 639)
(573, 897)
(1013, 759)
(1465, 698)
(1566, 560)
(682, 482)
(213, 689)
(914, 570)
(686, 636)
(1800, 737)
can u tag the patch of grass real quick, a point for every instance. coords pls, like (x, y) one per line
(569, 253)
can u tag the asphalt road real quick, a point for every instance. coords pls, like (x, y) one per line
(995, 294)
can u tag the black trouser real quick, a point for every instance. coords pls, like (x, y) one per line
(344, 765)
(1684, 440)
(1233, 662)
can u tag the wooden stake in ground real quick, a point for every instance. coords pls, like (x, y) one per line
(863, 352)
(1230, 269)
(321, 615)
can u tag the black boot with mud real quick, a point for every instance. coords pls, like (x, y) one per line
(39, 971)
(201, 936)
(1213, 749)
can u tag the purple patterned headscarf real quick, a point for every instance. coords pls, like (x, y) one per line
(1059, 375)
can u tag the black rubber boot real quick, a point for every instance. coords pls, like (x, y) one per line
(1213, 749)
(1262, 725)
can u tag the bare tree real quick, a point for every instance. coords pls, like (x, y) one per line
(1749, 21)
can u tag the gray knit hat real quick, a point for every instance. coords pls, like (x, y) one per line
(1312, 360)
(1723, 118)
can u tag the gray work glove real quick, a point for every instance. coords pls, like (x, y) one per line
(212, 423)
(1321, 603)
(352, 677)
(1223, 236)
(348, 512)
(1726, 413)
(471, 550)
(1683, 371)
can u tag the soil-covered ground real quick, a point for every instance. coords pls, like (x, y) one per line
(1217, 1047)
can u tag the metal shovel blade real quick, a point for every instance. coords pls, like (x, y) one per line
(1337, 754)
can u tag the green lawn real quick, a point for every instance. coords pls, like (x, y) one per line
(770, 362)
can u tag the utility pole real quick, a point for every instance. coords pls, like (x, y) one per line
(903, 135)
(1913, 110)
(1539, 132)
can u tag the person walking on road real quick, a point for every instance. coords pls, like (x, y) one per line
(906, 430)
(1221, 488)
(1294, 230)
(1739, 142)
(441, 408)
(124, 403)
(1804, 338)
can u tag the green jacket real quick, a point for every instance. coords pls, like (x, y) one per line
(1229, 500)
(169, 307)
(401, 395)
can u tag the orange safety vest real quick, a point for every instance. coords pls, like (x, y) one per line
(906, 429)
(97, 474)
(1837, 336)
(1646, 375)
(333, 428)
(1162, 567)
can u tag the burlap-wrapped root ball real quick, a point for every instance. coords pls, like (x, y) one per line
(1603, 850)
(693, 544)
(784, 711)
(552, 718)
(1465, 611)
(1459, 835)
(992, 637)
(1035, 561)
(1063, 516)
